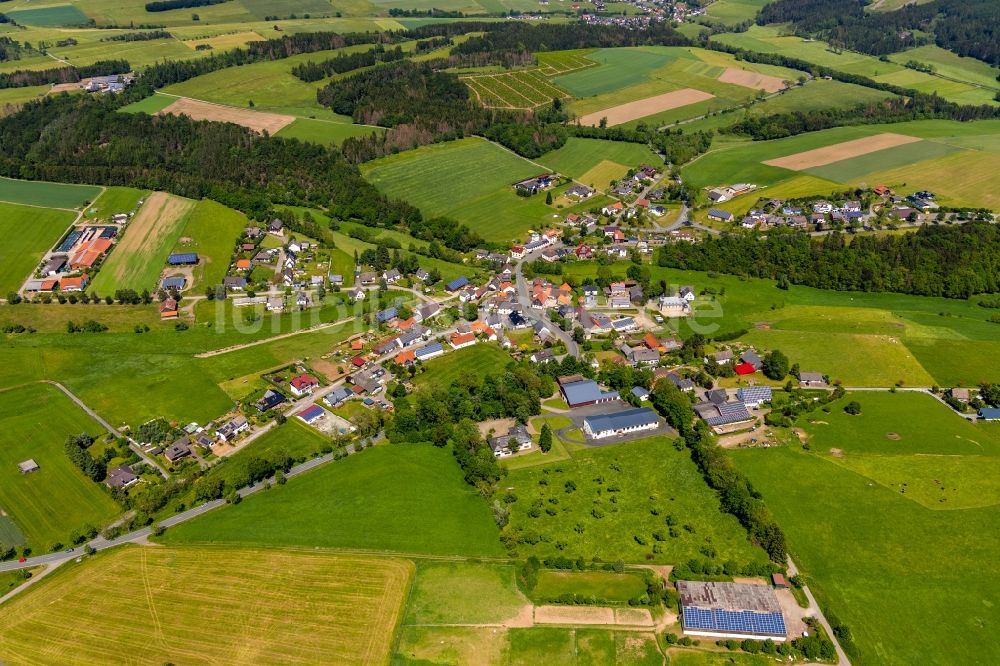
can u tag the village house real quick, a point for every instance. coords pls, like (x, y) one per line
(303, 385)
(228, 430)
(517, 438)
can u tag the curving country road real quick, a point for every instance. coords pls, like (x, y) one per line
(524, 299)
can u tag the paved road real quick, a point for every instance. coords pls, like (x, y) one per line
(107, 426)
(524, 298)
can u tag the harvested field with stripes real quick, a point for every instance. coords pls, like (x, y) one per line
(623, 113)
(209, 605)
(258, 121)
(841, 151)
(522, 89)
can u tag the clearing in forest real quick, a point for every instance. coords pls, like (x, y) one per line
(258, 121)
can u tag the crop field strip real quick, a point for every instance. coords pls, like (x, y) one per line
(29, 232)
(523, 89)
(307, 607)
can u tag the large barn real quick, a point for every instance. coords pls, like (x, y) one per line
(731, 610)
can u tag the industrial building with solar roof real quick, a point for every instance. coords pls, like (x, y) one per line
(731, 610)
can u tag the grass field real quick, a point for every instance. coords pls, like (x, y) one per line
(491, 646)
(730, 12)
(433, 512)
(913, 577)
(951, 65)
(596, 162)
(49, 195)
(477, 360)
(469, 180)
(604, 585)
(624, 494)
(57, 499)
(231, 606)
(29, 233)
(152, 104)
(463, 593)
(56, 15)
(138, 258)
(324, 131)
(211, 230)
(114, 200)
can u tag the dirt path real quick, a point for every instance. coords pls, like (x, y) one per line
(282, 336)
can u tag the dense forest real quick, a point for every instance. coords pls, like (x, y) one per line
(37, 77)
(967, 27)
(144, 36)
(950, 261)
(79, 139)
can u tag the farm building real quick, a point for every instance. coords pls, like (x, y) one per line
(312, 414)
(586, 392)
(989, 414)
(183, 259)
(74, 283)
(176, 283)
(754, 396)
(730, 610)
(168, 309)
(456, 284)
(620, 423)
(121, 477)
(28, 466)
(727, 413)
(745, 369)
(720, 215)
(429, 352)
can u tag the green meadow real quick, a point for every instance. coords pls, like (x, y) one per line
(894, 517)
(152, 104)
(325, 132)
(734, 11)
(475, 361)
(578, 158)
(394, 498)
(862, 339)
(463, 593)
(45, 194)
(29, 233)
(49, 504)
(56, 15)
(620, 502)
(114, 200)
(469, 180)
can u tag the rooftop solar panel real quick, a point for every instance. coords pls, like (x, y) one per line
(739, 622)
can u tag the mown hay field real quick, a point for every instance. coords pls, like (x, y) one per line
(206, 605)
(136, 261)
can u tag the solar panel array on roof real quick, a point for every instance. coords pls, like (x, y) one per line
(730, 412)
(753, 394)
(109, 232)
(736, 622)
(69, 242)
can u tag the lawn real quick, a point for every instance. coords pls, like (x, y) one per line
(432, 512)
(138, 258)
(231, 606)
(29, 233)
(463, 593)
(475, 361)
(606, 586)
(731, 12)
(604, 501)
(58, 499)
(211, 230)
(48, 195)
(469, 180)
(914, 583)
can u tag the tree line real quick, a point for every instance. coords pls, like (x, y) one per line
(345, 62)
(949, 261)
(138, 36)
(167, 5)
(37, 77)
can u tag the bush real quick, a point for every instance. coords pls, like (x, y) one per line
(853, 408)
